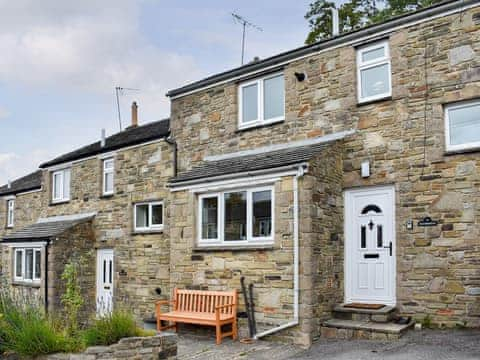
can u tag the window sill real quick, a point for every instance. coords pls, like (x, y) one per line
(26, 284)
(253, 247)
(260, 126)
(462, 151)
(107, 196)
(54, 203)
(147, 232)
(374, 101)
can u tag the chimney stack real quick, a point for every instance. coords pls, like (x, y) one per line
(335, 22)
(9, 184)
(134, 114)
(102, 138)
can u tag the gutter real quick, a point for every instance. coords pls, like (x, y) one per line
(296, 263)
(202, 181)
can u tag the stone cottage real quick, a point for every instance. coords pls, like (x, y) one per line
(342, 179)
(346, 171)
(103, 204)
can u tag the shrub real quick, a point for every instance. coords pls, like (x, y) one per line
(72, 299)
(26, 330)
(110, 328)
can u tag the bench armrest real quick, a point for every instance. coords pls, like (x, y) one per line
(159, 303)
(220, 307)
(223, 306)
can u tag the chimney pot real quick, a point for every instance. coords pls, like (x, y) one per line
(102, 138)
(335, 22)
(9, 184)
(134, 114)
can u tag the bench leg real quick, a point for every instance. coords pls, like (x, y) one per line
(176, 326)
(234, 329)
(219, 333)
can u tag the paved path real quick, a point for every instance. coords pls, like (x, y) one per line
(424, 345)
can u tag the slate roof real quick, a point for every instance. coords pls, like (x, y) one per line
(28, 182)
(246, 163)
(128, 137)
(280, 59)
(44, 230)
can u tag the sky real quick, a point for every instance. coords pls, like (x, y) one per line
(61, 61)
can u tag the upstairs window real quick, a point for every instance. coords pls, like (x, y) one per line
(373, 72)
(108, 175)
(236, 217)
(10, 212)
(61, 185)
(462, 126)
(148, 216)
(26, 264)
(261, 101)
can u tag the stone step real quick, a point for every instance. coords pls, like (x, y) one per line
(355, 329)
(383, 315)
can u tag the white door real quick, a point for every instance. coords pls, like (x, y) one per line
(104, 281)
(370, 245)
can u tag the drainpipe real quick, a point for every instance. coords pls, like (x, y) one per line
(46, 277)
(296, 290)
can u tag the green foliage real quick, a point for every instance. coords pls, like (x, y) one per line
(110, 328)
(354, 14)
(27, 331)
(427, 322)
(72, 299)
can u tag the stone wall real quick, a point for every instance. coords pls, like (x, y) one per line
(160, 347)
(433, 63)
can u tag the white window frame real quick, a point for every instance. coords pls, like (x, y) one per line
(22, 278)
(151, 227)
(10, 213)
(364, 65)
(260, 102)
(104, 177)
(454, 106)
(61, 174)
(250, 240)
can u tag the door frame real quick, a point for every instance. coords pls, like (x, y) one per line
(98, 275)
(347, 197)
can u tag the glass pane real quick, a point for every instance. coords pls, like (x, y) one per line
(157, 214)
(236, 216)
(57, 192)
(373, 54)
(379, 236)
(18, 263)
(262, 213)
(104, 271)
(273, 97)
(250, 103)
(464, 125)
(29, 264)
(210, 218)
(142, 216)
(37, 264)
(375, 81)
(66, 184)
(108, 164)
(363, 237)
(110, 271)
(108, 182)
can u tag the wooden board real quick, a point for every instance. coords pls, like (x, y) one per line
(364, 306)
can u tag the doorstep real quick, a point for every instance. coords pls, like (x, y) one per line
(363, 329)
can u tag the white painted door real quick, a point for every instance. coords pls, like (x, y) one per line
(104, 281)
(370, 245)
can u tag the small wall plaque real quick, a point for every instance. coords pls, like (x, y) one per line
(427, 221)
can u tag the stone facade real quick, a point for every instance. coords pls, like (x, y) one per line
(433, 63)
(141, 259)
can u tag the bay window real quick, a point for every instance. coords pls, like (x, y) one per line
(236, 217)
(27, 264)
(373, 72)
(261, 101)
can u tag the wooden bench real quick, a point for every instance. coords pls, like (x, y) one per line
(212, 308)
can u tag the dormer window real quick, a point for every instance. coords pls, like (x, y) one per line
(261, 101)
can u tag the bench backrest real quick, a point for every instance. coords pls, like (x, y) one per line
(200, 301)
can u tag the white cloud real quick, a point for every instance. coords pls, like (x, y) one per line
(87, 46)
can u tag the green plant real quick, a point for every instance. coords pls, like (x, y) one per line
(26, 330)
(427, 322)
(72, 299)
(110, 328)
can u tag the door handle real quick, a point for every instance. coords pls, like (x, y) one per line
(389, 247)
(106, 287)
